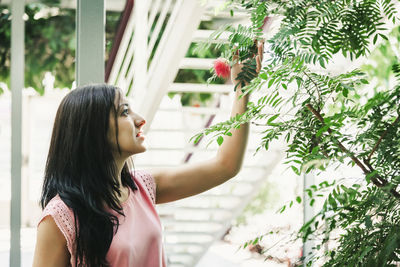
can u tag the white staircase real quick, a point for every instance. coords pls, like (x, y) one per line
(146, 66)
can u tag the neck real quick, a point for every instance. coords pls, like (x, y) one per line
(120, 162)
(120, 165)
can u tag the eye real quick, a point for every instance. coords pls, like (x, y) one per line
(125, 112)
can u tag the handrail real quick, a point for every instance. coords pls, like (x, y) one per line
(118, 37)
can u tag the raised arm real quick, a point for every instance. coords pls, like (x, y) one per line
(194, 178)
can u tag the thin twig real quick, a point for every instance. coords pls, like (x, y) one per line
(376, 179)
(316, 86)
(381, 138)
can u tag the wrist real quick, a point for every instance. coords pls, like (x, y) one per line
(239, 90)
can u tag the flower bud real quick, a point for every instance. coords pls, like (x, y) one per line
(222, 68)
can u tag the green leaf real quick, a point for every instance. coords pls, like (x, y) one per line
(263, 76)
(299, 81)
(332, 202)
(365, 251)
(296, 171)
(255, 241)
(272, 118)
(298, 199)
(322, 62)
(322, 130)
(370, 175)
(368, 221)
(383, 36)
(345, 92)
(220, 140)
(282, 209)
(271, 82)
(375, 38)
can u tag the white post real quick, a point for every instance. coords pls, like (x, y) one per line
(308, 214)
(90, 37)
(17, 84)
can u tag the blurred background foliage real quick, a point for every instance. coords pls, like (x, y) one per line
(385, 56)
(49, 43)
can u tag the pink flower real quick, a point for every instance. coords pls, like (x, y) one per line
(222, 68)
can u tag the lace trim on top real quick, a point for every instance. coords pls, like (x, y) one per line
(148, 180)
(64, 218)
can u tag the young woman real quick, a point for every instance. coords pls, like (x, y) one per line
(97, 212)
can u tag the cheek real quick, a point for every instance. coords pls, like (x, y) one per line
(125, 131)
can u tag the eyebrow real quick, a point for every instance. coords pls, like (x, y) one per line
(123, 105)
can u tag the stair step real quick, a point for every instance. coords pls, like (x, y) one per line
(176, 264)
(204, 36)
(197, 130)
(150, 165)
(197, 110)
(169, 218)
(183, 259)
(189, 233)
(212, 15)
(197, 63)
(173, 209)
(200, 88)
(183, 249)
(190, 149)
(189, 221)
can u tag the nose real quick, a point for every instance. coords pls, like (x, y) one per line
(139, 121)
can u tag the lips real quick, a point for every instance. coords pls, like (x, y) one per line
(139, 134)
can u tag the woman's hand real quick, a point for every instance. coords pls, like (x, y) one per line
(238, 66)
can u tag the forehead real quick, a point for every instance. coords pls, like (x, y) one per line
(120, 98)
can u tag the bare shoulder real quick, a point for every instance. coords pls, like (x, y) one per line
(160, 175)
(156, 173)
(51, 245)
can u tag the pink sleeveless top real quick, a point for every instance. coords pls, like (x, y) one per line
(138, 241)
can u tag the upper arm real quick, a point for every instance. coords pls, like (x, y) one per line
(51, 245)
(189, 179)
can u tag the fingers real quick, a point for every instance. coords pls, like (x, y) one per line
(235, 57)
(259, 57)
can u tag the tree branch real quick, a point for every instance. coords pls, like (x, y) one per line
(341, 146)
(376, 179)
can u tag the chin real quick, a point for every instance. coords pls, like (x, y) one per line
(140, 150)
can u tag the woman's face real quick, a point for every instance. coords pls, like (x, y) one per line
(130, 135)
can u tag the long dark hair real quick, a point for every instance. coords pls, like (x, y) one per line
(81, 169)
